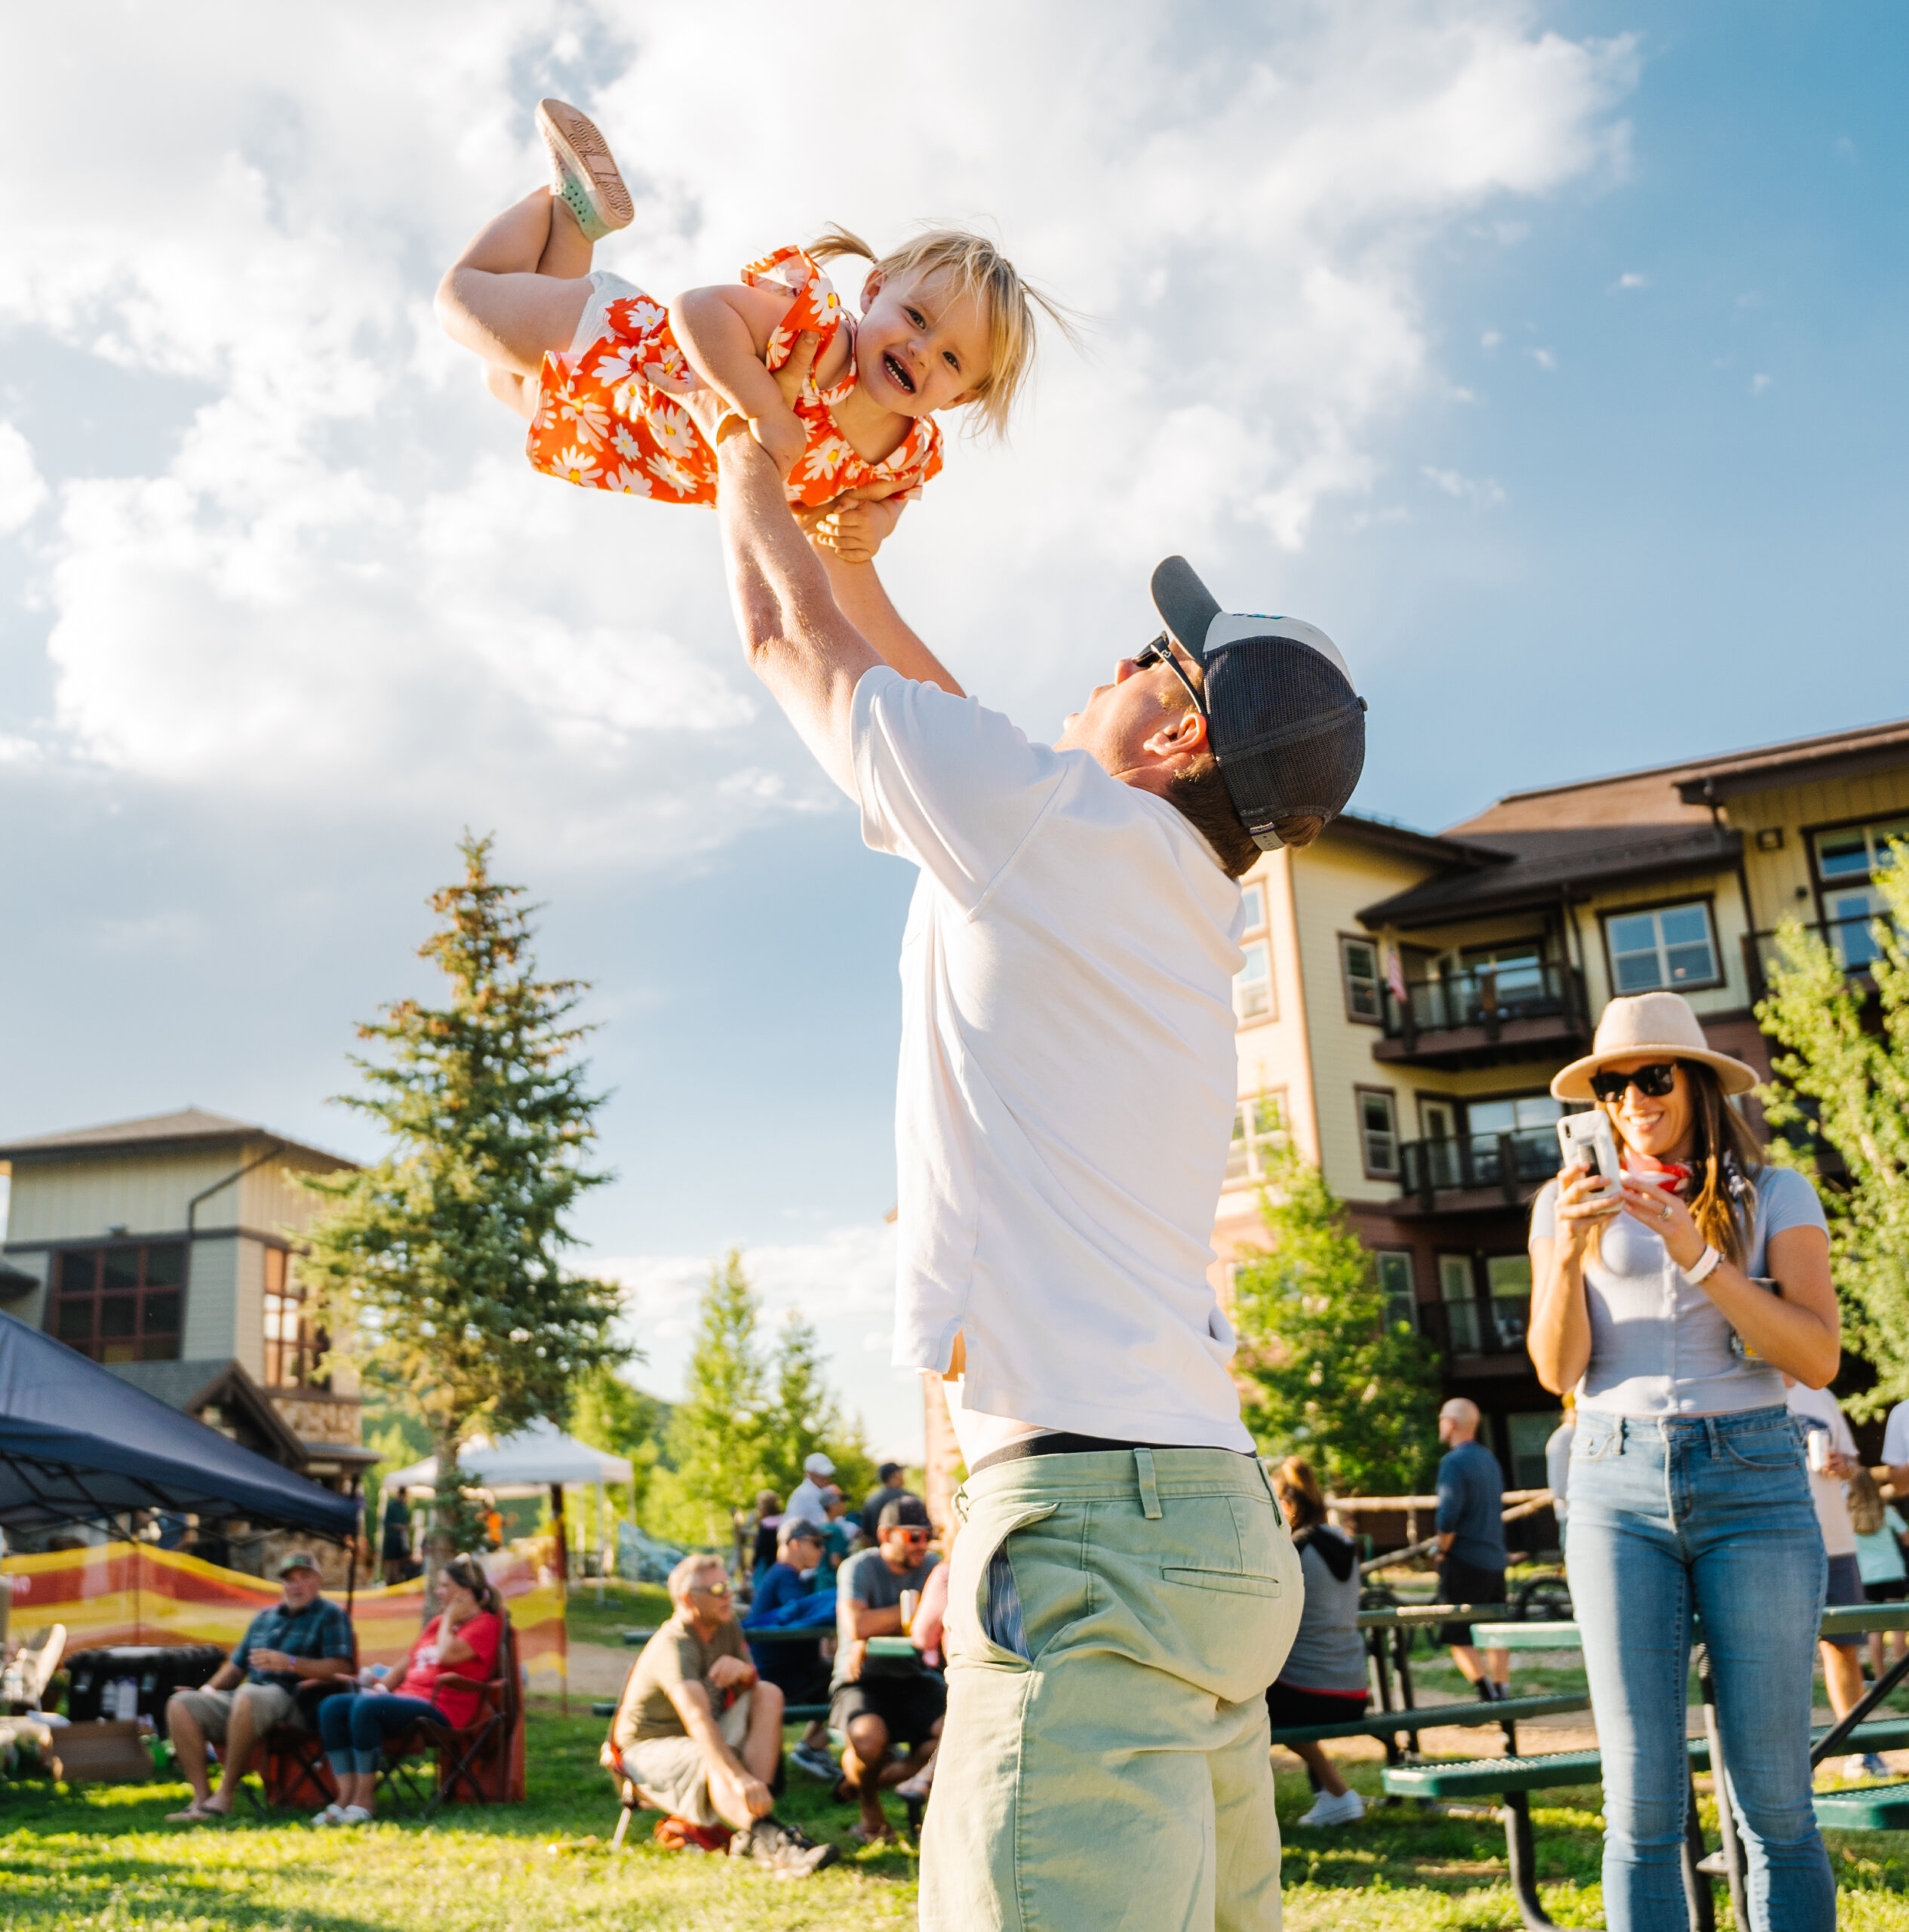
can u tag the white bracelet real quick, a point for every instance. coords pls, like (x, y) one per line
(1703, 1267)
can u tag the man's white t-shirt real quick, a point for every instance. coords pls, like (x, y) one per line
(1819, 1407)
(1895, 1436)
(1068, 1079)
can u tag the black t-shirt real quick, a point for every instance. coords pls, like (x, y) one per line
(879, 1500)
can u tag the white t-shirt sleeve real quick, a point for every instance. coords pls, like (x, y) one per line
(945, 782)
(1895, 1435)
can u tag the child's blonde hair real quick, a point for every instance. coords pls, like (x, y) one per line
(977, 268)
(1865, 1503)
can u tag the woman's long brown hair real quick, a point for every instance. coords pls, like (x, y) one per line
(1724, 1157)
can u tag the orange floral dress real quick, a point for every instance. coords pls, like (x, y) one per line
(607, 419)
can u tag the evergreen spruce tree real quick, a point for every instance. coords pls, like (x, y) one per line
(716, 1434)
(802, 1415)
(1845, 1082)
(440, 1269)
(1327, 1377)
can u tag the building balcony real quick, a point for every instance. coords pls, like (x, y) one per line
(1469, 1172)
(1467, 1333)
(1479, 1017)
(1856, 941)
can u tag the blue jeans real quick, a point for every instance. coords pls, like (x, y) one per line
(354, 1728)
(1710, 1513)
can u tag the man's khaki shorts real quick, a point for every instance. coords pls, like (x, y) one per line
(271, 1704)
(674, 1773)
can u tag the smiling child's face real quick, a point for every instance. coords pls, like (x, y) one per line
(921, 346)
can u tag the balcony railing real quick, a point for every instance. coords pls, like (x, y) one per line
(1856, 941)
(1488, 997)
(1506, 1161)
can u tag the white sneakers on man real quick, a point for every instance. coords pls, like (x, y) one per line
(1346, 1809)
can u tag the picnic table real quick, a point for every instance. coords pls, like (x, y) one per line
(1881, 1807)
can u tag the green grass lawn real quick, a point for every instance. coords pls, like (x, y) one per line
(625, 1606)
(102, 1857)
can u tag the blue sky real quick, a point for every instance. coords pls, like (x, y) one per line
(1550, 357)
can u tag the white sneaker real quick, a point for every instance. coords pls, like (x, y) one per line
(1347, 1809)
(354, 1814)
(1853, 1767)
(329, 1816)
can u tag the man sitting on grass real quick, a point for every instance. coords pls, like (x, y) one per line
(701, 1737)
(302, 1637)
(878, 1701)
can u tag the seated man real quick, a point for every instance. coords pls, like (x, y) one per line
(877, 1701)
(701, 1737)
(302, 1637)
(788, 1597)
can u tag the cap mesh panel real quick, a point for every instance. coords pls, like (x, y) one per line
(1256, 686)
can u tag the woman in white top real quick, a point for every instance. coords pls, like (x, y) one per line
(1675, 1315)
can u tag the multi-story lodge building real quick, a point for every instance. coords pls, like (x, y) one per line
(1406, 999)
(162, 1248)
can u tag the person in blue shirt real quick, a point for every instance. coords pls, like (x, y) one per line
(302, 1637)
(794, 1582)
(1470, 1528)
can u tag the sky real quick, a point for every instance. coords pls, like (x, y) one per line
(1550, 357)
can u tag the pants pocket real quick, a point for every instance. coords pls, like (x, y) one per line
(1239, 1583)
(985, 1611)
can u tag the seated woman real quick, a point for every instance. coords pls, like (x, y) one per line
(1324, 1680)
(459, 1643)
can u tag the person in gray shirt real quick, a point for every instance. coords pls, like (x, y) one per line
(1323, 1679)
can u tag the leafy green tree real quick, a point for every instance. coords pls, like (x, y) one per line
(1327, 1377)
(1844, 1082)
(802, 1415)
(440, 1270)
(611, 1413)
(716, 1434)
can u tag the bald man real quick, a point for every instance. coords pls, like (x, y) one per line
(1470, 1526)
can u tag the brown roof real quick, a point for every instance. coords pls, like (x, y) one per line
(189, 1127)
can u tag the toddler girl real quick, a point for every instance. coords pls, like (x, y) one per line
(596, 365)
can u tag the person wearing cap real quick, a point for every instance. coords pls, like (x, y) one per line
(1065, 1107)
(302, 1637)
(875, 1701)
(889, 1489)
(1676, 1310)
(805, 1499)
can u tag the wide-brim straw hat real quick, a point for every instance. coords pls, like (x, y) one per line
(1659, 1023)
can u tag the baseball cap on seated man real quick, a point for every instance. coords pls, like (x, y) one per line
(1286, 729)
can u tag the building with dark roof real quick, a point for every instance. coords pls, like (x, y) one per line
(1407, 998)
(164, 1248)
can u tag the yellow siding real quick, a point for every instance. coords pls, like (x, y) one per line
(269, 1199)
(212, 1316)
(80, 1199)
(1780, 881)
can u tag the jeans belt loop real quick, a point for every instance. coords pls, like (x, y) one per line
(1143, 1470)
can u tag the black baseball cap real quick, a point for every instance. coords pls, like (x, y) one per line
(1286, 726)
(906, 1512)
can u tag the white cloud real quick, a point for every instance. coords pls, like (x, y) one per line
(339, 582)
(1490, 338)
(1759, 383)
(22, 489)
(1486, 492)
(1631, 279)
(1543, 358)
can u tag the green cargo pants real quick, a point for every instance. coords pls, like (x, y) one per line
(1119, 1775)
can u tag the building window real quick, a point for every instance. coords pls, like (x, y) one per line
(1378, 1131)
(1258, 1127)
(292, 1342)
(1359, 962)
(120, 1304)
(1671, 946)
(1394, 1268)
(1252, 991)
(1253, 907)
(1529, 1434)
(1508, 1280)
(1848, 862)
(1458, 1293)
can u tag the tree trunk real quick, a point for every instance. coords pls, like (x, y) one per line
(560, 1530)
(440, 1543)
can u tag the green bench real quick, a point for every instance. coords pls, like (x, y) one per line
(1877, 1807)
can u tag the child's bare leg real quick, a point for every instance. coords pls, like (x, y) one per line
(519, 289)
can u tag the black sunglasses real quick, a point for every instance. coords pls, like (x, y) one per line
(1160, 651)
(1653, 1082)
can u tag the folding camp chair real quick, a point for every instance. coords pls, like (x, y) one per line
(482, 1761)
(290, 1759)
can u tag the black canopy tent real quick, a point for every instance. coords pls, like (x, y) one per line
(78, 1445)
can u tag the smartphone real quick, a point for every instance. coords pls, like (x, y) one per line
(1588, 1141)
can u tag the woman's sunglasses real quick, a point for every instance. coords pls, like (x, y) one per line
(1161, 652)
(1654, 1081)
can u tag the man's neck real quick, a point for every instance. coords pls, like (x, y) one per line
(704, 1627)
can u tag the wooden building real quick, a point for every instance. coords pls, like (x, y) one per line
(1428, 1107)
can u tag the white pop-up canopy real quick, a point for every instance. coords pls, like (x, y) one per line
(530, 1460)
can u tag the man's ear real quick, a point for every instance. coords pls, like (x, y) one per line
(1183, 735)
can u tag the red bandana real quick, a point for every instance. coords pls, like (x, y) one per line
(1674, 1175)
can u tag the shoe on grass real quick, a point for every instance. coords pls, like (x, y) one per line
(788, 1853)
(330, 1815)
(814, 1762)
(1873, 1767)
(583, 172)
(1346, 1809)
(354, 1814)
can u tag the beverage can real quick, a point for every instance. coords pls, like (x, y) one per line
(911, 1602)
(1819, 1451)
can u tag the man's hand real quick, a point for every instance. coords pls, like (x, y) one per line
(756, 1797)
(784, 438)
(728, 1672)
(855, 524)
(273, 1661)
(852, 1660)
